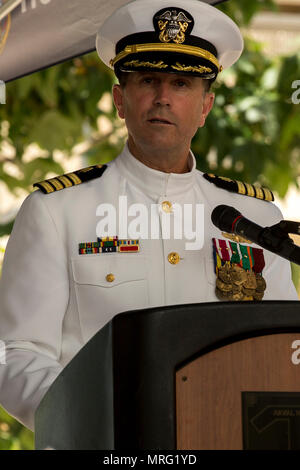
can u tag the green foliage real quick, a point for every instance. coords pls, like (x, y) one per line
(242, 11)
(14, 436)
(296, 275)
(253, 130)
(5, 229)
(252, 133)
(56, 109)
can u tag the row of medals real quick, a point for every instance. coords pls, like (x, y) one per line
(235, 283)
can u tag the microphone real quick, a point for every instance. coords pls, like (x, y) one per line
(273, 239)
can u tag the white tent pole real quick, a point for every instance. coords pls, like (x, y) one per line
(8, 7)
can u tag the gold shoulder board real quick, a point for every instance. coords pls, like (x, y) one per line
(71, 179)
(241, 188)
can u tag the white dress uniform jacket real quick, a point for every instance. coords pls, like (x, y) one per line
(53, 300)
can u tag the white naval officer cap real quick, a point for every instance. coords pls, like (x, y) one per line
(174, 36)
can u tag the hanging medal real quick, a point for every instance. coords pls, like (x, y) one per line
(238, 271)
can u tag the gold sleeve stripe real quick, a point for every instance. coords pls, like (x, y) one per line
(259, 193)
(66, 182)
(74, 178)
(268, 195)
(263, 191)
(250, 189)
(56, 183)
(47, 187)
(241, 188)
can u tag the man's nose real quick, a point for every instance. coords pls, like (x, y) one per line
(162, 94)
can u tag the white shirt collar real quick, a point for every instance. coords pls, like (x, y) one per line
(153, 182)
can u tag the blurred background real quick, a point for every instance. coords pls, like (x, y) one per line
(62, 119)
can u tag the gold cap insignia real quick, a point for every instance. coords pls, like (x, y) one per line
(173, 25)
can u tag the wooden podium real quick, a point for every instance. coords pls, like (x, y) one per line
(198, 376)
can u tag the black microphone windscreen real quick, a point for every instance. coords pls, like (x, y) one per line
(224, 216)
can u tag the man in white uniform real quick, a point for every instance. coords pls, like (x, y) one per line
(62, 280)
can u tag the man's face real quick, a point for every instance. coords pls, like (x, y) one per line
(162, 111)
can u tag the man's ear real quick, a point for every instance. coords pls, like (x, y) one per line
(208, 102)
(118, 100)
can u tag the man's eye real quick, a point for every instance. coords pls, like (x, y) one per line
(147, 80)
(181, 83)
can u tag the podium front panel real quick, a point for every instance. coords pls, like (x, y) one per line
(245, 395)
(121, 386)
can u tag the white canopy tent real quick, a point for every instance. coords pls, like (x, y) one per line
(35, 34)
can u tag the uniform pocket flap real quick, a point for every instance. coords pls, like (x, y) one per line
(96, 270)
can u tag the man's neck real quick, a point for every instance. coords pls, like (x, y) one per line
(161, 161)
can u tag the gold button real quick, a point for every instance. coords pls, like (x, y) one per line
(166, 206)
(110, 277)
(173, 258)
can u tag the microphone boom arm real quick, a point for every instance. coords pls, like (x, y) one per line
(288, 226)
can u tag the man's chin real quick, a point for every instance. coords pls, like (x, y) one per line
(160, 146)
(157, 142)
(160, 140)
